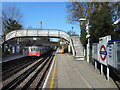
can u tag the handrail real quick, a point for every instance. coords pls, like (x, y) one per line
(73, 48)
(31, 30)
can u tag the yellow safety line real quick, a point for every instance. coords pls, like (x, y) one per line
(52, 81)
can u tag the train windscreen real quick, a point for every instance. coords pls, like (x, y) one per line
(35, 49)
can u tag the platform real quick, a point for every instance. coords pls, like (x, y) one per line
(76, 74)
(11, 57)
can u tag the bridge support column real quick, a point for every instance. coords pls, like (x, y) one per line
(84, 53)
(101, 70)
(95, 65)
(107, 73)
(69, 50)
(4, 48)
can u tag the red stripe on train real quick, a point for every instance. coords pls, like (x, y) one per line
(34, 54)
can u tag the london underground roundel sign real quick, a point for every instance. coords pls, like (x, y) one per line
(103, 53)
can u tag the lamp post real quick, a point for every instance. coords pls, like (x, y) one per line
(72, 30)
(88, 37)
(41, 25)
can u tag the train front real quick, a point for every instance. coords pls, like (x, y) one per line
(34, 51)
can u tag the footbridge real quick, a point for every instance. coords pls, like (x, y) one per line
(41, 33)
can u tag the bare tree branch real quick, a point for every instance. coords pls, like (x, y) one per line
(11, 13)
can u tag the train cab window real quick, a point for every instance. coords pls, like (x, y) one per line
(32, 49)
(37, 49)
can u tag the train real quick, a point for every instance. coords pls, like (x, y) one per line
(60, 50)
(35, 50)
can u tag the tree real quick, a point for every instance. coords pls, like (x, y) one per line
(70, 32)
(77, 10)
(11, 19)
(12, 25)
(116, 16)
(101, 21)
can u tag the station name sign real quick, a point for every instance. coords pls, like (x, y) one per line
(103, 49)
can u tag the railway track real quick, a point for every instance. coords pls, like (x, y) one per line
(14, 63)
(30, 77)
(9, 72)
(11, 67)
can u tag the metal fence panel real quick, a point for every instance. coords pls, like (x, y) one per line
(10, 35)
(54, 33)
(32, 33)
(111, 55)
(42, 32)
(95, 52)
(21, 33)
(118, 56)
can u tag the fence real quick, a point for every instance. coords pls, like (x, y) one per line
(107, 52)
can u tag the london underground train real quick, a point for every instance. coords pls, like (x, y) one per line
(35, 50)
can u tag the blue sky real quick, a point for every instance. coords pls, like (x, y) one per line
(52, 15)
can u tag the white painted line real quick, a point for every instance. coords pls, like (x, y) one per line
(46, 80)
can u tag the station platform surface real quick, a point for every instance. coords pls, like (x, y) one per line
(6, 58)
(68, 73)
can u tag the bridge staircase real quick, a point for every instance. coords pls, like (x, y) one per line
(78, 47)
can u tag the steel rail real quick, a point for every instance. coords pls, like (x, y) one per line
(43, 75)
(12, 84)
(27, 84)
(14, 70)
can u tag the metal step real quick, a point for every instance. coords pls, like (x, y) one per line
(80, 58)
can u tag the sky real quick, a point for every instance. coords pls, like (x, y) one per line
(51, 14)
